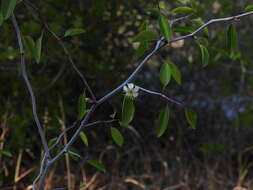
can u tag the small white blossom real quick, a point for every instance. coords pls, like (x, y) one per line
(131, 90)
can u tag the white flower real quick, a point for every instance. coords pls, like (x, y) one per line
(131, 90)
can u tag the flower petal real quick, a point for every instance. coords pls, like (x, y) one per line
(136, 88)
(125, 89)
(135, 94)
(130, 85)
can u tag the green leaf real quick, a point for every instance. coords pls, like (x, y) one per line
(165, 27)
(165, 74)
(117, 136)
(6, 153)
(175, 72)
(185, 29)
(74, 31)
(232, 40)
(157, 11)
(7, 8)
(30, 45)
(249, 8)
(97, 165)
(182, 10)
(82, 106)
(162, 5)
(203, 41)
(84, 139)
(128, 110)
(142, 48)
(146, 35)
(144, 44)
(191, 117)
(162, 123)
(38, 46)
(204, 55)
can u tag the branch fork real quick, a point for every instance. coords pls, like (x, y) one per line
(47, 160)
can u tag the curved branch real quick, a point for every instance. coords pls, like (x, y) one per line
(226, 19)
(161, 95)
(29, 87)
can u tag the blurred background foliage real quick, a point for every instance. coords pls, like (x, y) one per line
(216, 155)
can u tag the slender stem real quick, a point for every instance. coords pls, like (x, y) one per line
(61, 135)
(75, 135)
(40, 172)
(59, 40)
(74, 154)
(76, 69)
(226, 19)
(134, 73)
(44, 175)
(29, 87)
(74, 125)
(100, 122)
(161, 95)
(173, 21)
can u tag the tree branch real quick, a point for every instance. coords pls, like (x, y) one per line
(73, 126)
(161, 95)
(226, 19)
(29, 87)
(159, 45)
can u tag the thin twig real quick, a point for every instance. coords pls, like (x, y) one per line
(74, 65)
(158, 46)
(61, 135)
(226, 19)
(173, 21)
(29, 87)
(74, 125)
(40, 172)
(44, 175)
(75, 135)
(100, 122)
(73, 153)
(59, 40)
(161, 95)
(56, 78)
